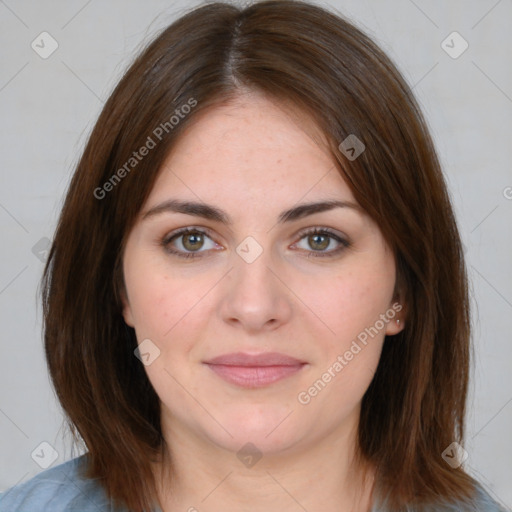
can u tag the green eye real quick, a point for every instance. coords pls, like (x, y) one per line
(319, 239)
(192, 242)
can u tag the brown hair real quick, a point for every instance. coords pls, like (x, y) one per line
(302, 54)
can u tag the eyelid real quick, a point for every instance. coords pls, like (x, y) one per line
(188, 229)
(341, 239)
(183, 231)
(323, 229)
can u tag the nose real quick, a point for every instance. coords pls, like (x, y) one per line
(255, 297)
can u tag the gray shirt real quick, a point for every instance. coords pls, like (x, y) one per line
(64, 489)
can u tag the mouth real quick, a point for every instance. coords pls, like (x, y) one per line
(254, 371)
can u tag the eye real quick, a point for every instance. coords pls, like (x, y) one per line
(320, 239)
(189, 242)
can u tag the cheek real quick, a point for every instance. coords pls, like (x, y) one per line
(160, 302)
(348, 358)
(348, 304)
(350, 307)
(151, 303)
(166, 311)
(171, 311)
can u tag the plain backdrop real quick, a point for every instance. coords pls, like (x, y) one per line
(49, 105)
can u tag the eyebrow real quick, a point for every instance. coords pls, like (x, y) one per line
(214, 213)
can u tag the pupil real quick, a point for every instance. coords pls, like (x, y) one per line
(322, 245)
(195, 243)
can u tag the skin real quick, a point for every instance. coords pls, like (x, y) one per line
(254, 159)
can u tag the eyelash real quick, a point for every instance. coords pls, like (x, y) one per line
(312, 231)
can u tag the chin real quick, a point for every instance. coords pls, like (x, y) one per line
(271, 429)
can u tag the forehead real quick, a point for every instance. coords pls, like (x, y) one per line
(252, 149)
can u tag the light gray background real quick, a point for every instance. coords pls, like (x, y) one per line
(48, 107)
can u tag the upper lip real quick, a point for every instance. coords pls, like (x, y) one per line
(263, 359)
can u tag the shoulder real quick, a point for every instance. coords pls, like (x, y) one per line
(59, 489)
(483, 502)
(480, 502)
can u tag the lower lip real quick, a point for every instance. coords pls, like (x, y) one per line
(254, 376)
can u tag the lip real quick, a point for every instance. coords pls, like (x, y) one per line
(254, 370)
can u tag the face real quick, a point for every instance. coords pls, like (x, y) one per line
(304, 299)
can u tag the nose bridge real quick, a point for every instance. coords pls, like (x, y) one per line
(253, 273)
(254, 296)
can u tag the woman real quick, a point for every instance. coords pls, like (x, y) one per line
(256, 297)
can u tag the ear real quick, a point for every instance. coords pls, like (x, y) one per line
(397, 315)
(127, 309)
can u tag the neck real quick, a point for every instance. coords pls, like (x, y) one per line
(197, 476)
